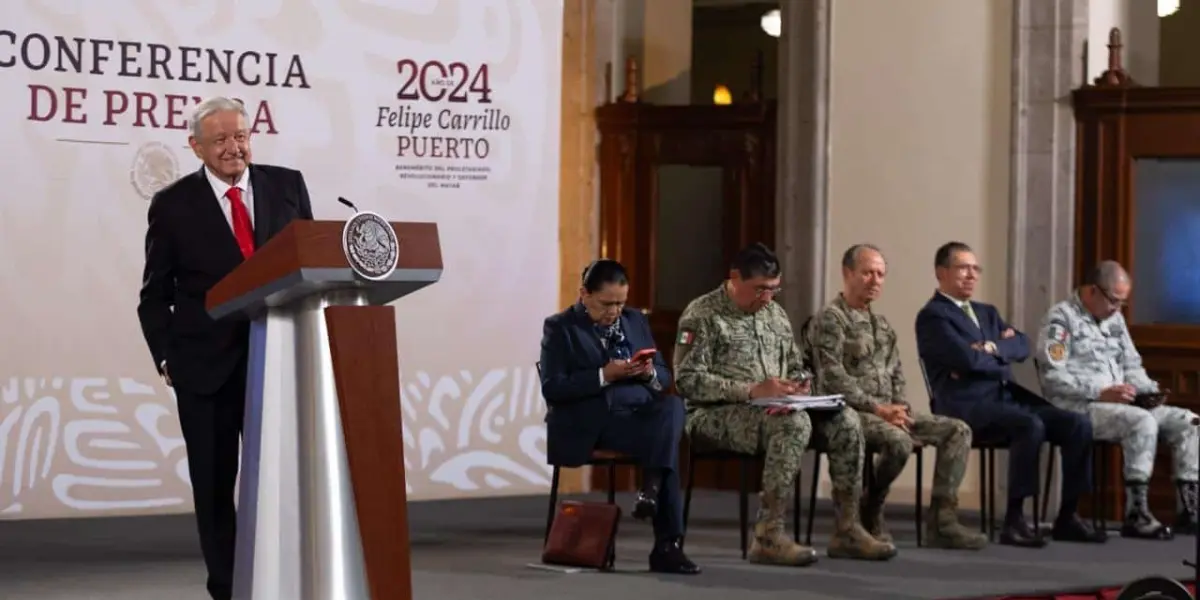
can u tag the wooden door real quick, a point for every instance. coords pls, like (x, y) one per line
(1138, 202)
(682, 189)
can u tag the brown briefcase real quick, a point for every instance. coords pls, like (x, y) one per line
(584, 534)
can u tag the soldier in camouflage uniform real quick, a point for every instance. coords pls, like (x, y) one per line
(1088, 363)
(735, 344)
(855, 354)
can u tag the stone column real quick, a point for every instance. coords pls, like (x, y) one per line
(577, 206)
(1049, 39)
(802, 126)
(802, 134)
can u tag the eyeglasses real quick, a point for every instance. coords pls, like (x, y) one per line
(1112, 300)
(767, 291)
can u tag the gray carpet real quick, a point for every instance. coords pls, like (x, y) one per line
(480, 549)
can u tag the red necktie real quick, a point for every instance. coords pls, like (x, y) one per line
(242, 230)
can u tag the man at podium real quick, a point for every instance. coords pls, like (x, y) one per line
(200, 228)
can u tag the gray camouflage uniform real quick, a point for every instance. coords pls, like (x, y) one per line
(1078, 357)
(721, 353)
(856, 355)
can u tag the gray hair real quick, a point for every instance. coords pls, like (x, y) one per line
(850, 257)
(216, 104)
(1107, 274)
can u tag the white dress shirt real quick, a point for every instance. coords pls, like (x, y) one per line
(220, 188)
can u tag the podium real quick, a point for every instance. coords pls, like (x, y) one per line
(322, 504)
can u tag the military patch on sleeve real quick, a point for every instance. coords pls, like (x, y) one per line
(686, 337)
(1056, 351)
(1057, 333)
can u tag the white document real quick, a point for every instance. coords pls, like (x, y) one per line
(803, 402)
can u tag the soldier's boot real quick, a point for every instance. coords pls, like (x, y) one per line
(943, 530)
(849, 539)
(771, 545)
(1188, 519)
(1139, 521)
(871, 515)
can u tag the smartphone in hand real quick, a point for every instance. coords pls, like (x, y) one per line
(644, 355)
(1149, 400)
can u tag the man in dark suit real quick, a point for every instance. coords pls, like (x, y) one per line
(967, 351)
(602, 394)
(200, 228)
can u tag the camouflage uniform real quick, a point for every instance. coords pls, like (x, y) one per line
(1077, 358)
(721, 354)
(855, 354)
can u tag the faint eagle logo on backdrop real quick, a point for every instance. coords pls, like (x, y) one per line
(154, 168)
(371, 246)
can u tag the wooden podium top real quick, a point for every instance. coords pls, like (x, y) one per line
(307, 257)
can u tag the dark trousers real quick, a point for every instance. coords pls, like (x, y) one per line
(212, 429)
(651, 434)
(1025, 426)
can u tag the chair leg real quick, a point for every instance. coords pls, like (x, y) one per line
(812, 498)
(983, 491)
(553, 504)
(612, 482)
(1097, 489)
(743, 502)
(1100, 496)
(920, 500)
(687, 494)
(1049, 480)
(868, 472)
(991, 493)
(796, 506)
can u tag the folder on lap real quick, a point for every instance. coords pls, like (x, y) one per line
(831, 403)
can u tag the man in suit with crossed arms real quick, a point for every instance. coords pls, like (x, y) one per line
(968, 351)
(201, 227)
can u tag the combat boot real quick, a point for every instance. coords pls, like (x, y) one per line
(1139, 521)
(871, 516)
(1188, 519)
(850, 540)
(942, 529)
(771, 546)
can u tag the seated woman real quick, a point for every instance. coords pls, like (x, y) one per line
(604, 389)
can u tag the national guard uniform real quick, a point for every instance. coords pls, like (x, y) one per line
(856, 355)
(723, 352)
(1078, 358)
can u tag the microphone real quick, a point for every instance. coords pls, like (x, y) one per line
(348, 203)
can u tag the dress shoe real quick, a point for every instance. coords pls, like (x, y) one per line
(646, 505)
(1074, 529)
(668, 557)
(1020, 534)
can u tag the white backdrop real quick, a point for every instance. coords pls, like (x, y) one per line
(420, 110)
